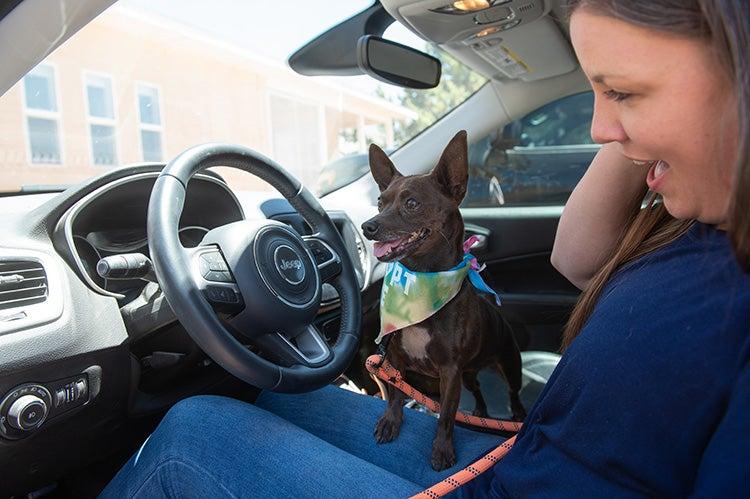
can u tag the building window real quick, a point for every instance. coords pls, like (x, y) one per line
(150, 123)
(101, 118)
(42, 115)
(296, 131)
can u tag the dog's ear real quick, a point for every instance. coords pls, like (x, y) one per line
(382, 168)
(452, 171)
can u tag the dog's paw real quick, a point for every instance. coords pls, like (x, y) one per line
(519, 415)
(517, 410)
(443, 456)
(386, 429)
(480, 413)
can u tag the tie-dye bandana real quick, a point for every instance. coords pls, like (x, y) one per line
(410, 297)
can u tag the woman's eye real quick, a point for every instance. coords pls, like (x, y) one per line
(412, 203)
(616, 96)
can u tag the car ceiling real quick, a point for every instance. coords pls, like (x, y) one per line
(527, 41)
(7, 6)
(512, 40)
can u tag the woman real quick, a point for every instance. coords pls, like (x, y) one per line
(652, 395)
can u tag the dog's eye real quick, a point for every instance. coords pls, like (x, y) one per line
(412, 204)
(380, 204)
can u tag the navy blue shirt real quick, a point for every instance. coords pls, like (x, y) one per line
(653, 397)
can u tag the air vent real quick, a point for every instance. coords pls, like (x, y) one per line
(22, 282)
(526, 8)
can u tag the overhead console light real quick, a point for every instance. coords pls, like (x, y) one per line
(468, 6)
(471, 5)
(487, 31)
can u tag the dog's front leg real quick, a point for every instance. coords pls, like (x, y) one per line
(443, 454)
(389, 424)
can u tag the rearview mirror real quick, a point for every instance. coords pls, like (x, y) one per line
(397, 64)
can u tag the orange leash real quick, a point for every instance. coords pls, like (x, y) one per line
(380, 367)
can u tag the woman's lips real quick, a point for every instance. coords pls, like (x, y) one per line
(656, 173)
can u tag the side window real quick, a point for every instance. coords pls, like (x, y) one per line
(536, 160)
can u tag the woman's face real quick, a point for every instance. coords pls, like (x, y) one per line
(667, 98)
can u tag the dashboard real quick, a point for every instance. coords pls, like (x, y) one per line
(112, 221)
(95, 353)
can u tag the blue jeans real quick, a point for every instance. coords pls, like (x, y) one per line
(318, 444)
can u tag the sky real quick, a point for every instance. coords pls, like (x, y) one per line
(271, 28)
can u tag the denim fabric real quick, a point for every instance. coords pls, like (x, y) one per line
(318, 444)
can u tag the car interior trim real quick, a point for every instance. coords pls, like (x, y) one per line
(28, 316)
(70, 216)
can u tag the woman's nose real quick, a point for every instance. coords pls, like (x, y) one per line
(605, 124)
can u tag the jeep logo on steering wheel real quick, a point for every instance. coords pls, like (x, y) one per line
(289, 264)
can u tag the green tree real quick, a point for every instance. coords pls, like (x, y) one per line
(457, 83)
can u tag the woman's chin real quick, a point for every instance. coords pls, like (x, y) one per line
(679, 210)
(714, 215)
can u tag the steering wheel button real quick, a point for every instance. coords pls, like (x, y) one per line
(212, 293)
(218, 266)
(220, 294)
(214, 260)
(204, 267)
(228, 295)
(217, 276)
(319, 251)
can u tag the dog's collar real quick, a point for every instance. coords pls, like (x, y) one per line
(409, 297)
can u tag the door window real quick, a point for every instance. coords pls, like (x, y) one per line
(536, 160)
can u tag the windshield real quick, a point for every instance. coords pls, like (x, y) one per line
(149, 78)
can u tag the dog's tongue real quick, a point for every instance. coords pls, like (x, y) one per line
(384, 247)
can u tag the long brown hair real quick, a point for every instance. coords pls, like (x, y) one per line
(725, 24)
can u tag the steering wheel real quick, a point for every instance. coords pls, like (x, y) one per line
(255, 282)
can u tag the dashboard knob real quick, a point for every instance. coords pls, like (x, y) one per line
(28, 412)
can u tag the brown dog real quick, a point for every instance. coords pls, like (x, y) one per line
(420, 225)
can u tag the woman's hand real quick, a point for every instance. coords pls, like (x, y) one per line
(596, 214)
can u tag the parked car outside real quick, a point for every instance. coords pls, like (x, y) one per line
(535, 160)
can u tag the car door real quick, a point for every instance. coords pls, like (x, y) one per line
(519, 179)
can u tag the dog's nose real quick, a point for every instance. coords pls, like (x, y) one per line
(370, 228)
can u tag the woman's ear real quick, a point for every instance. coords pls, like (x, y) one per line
(452, 171)
(383, 170)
